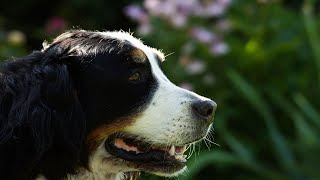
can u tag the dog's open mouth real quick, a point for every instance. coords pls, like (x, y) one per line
(145, 154)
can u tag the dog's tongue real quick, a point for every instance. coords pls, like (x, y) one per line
(119, 143)
(127, 146)
(133, 150)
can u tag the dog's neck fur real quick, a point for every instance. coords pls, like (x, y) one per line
(84, 174)
(88, 175)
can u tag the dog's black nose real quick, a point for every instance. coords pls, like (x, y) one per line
(205, 109)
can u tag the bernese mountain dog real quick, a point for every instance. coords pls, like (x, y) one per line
(95, 105)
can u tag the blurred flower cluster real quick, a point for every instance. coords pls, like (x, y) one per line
(55, 25)
(12, 43)
(16, 42)
(203, 23)
(177, 12)
(16, 37)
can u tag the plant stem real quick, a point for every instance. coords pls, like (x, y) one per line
(310, 25)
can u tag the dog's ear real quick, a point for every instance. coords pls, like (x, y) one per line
(60, 97)
(61, 103)
(43, 108)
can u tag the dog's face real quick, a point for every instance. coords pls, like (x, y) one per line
(137, 120)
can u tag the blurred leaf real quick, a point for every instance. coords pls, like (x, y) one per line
(307, 109)
(311, 28)
(305, 132)
(217, 157)
(239, 148)
(279, 144)
(222, 159)
(245, 154)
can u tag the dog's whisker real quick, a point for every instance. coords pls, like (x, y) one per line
(212, 142)
(188, 146)
(169, 54)
(190, 150)
(210, 137)
(199, 147)
(195, 151)
(208, 145)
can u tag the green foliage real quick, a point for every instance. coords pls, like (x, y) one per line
(267, 90)
(266, 86)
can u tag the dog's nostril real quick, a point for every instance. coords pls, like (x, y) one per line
(209, 112)
(205, 108)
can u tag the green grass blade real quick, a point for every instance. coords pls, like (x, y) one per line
(305, 133)
(280, 146)
(241, 150)
(312, 32)
(223, 158)
(308, 110)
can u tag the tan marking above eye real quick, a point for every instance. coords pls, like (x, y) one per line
(138, 56)
(134, 77)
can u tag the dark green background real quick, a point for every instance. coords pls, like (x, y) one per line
(268, 118)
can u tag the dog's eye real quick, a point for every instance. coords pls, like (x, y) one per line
(135, 77)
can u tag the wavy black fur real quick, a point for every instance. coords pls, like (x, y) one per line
(40, 117)
(42, 126)
(51, 99)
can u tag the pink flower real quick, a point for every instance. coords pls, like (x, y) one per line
(196, 67)
(136, 13)
(225, 2)
(160, 8)
(152, 6)
(186, 7)
(178, 20)
(219, 48)
(144, 28)
(174, 11)
(55, 25)
(212, 8)
(167, 8)
(187, 86)
(202, 35)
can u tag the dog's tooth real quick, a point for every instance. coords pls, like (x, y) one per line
(172, 150)
(181, 158)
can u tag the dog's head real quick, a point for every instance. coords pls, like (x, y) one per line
(135, 119)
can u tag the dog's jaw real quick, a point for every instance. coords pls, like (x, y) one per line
(96, 105)
(167, 120)
(102, 166)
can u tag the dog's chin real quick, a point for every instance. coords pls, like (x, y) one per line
(163, 160)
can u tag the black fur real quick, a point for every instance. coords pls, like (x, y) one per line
(51, 99)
